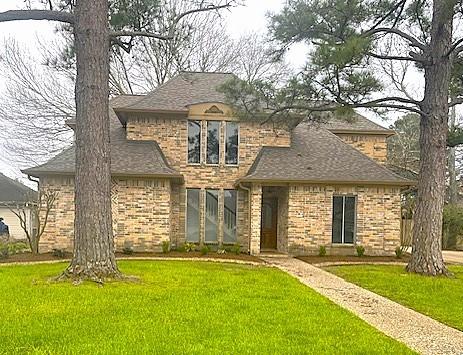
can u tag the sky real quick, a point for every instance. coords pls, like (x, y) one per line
(239, 20)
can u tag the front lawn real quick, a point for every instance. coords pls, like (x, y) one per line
(438, 297)
(178, 307)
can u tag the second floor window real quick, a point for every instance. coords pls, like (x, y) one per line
(231, 143)
(194, 142)
(213, 142)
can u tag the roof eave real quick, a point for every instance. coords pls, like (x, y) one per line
(39, 174)
(379, 132)
(327, 182)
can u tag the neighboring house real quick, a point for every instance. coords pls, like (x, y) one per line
(186, 169)
(14, 195)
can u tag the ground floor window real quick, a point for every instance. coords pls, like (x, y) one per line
(229, 216)
(211, 216)
(344, 210)
(214, 204)
(192, 218)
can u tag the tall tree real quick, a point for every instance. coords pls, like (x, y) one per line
(94, 256)
(347, 39)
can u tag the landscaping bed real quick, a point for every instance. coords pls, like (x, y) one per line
(29, 257)
(178, 307)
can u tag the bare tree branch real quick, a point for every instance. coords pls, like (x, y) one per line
(412, 40)
(19, 15)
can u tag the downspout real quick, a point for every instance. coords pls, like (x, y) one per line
(241, 186)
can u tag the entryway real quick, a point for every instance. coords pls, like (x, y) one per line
(269, 224)
(274, 219)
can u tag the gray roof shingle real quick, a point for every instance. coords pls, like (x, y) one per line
(13, 191)
(355, 123)
(317, 155)
(128, 157)
(177, 94)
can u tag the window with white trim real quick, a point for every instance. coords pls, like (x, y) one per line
(343, 223)
(229, 216)
(192, 215)
(231, 143)
(194, 142)
(211, 216)
(213, 142)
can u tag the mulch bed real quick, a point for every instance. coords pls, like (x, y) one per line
(29, 257)
(353, 259)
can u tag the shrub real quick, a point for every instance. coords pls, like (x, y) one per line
(360, 250)
(236, 248)
(180, 248)
(205, 250)
(322, 250)
(189, 247)
(59, 253)
(399, 252)
(127, 251)
(165, 246)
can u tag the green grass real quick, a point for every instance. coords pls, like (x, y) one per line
(179, 307)
(438, 297)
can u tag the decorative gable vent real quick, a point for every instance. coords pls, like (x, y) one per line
(213, 109)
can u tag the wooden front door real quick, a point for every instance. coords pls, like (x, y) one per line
(268, 225)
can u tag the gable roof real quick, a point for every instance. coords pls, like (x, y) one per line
(13, 191)
(316, 155)
(128, 157)
(177, 94)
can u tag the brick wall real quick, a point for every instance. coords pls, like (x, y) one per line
(310, 214)
(375, 146)
(141, 214)
(172, 135)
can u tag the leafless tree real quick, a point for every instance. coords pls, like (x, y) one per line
(40, 210)
(35, 104)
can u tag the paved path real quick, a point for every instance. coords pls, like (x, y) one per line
(418, 331)
(451, 256)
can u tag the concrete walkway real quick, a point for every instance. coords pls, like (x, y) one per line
(454, 257)
(419, 332)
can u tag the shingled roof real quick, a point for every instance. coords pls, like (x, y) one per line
(317, 155)
(356, 123)
(128, 157)
(13, 191)
(187, 88)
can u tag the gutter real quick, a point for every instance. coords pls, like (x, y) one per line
(328, 182)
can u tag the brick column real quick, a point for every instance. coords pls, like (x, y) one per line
(256, 206)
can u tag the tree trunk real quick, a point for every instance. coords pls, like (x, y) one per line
(453, 186)
(94, 256)
(427, 232)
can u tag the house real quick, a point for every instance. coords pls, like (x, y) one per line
(15, 196)
(186, 169)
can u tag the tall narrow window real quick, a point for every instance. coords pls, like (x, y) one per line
(211, 216)
(213, 142)
(343, 219)
(192, 219)
(229, 217)
(231, 143)
(194, 142)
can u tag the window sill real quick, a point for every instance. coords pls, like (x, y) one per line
(342, 245)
